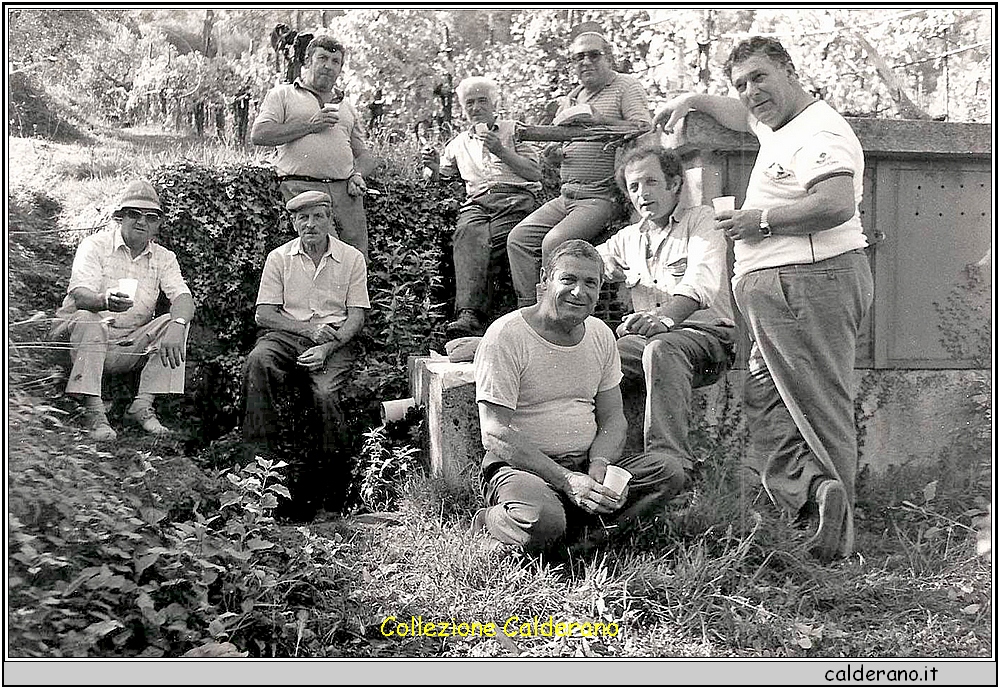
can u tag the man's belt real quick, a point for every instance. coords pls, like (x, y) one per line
(307, 178)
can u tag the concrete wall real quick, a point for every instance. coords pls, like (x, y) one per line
(904, 417)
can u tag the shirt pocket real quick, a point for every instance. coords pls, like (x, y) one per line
(678, 268)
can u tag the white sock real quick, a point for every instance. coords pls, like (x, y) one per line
(143, 399)
(93, 403)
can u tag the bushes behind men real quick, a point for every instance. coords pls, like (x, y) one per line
(221, 223)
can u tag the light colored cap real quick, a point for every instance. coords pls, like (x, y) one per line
(306, 199)
(139, 194)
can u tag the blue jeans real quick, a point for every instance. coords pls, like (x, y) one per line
(530, 243)
(798, 396)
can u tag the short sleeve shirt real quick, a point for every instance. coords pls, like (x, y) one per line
(550, 387)
(587, 162)
(103, 258)
(480, 169)
(310, 293)
(815, 145)
(327, 154)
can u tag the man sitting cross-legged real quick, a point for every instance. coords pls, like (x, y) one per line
(550, 411)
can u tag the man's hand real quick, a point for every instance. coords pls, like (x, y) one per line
(118, 301)
(324, 119)
(643, 323)
(492, 142)
(672, 112)
(591, 496)
(553, 154)
(314, 358)
(172, 345)
(740, 225)
(356, 185)
(614, 269)
(322, 333)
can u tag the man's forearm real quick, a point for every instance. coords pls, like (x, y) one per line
(523, 167)
(511, 448)
(351, 327)
(89, 300)
(364, 163)
(182, 307)
(275, 321)
(610, 441)
(276, 134)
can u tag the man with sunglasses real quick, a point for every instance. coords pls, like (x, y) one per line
(116, 280)
(588, 197)
(320, 139)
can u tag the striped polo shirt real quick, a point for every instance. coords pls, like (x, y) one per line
(586, 166)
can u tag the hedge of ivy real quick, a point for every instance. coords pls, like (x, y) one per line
(222, 222)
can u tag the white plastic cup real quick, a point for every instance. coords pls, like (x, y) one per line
(128, 286)
(395, 410)
(724, 203)
(616, 478)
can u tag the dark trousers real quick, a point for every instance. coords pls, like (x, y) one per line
(269, 371)
(479, 245)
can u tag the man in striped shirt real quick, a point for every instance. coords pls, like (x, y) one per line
(588, 199)
(118, 274)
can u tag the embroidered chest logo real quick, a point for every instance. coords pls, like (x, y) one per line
(775, 171)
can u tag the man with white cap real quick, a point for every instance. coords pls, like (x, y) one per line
(310, 305)
(117, 276)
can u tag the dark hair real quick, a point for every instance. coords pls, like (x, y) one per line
(758, 45)
(326, 42)
(669, 161)
(580, 248)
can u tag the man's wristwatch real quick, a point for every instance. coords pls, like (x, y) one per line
(180, 321)
(765, 226)
(668, 322)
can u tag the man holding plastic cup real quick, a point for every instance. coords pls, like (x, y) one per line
(320, 139)
(681, 332)
(117, 276)
(550, 411)
(501, 178)
(803, 282)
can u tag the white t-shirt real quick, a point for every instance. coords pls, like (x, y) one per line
(815, 145)
(550, 387)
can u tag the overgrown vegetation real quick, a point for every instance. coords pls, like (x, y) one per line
(157, 548)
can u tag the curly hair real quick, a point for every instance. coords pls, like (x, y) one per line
(327, 43)
(758, 45)
(669, 161)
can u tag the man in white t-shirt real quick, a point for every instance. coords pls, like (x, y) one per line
(550, 411)
(501, 178)
(803, 283)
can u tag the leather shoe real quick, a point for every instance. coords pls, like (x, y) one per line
(466, 325)
(100, 429)
(831, 499)
(145, 418)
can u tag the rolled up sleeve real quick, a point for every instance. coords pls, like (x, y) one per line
(357, 289)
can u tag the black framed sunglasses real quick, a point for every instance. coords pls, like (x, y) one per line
(134, 214)
(594, 55)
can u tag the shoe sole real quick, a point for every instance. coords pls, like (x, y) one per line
(832, 501)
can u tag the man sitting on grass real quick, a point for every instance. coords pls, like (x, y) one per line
(118, 274)
(550, 410)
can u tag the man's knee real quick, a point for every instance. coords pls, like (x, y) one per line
(540, 524)
(669, 474)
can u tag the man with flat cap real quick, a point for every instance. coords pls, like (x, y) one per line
(116, 280)
(310, 305)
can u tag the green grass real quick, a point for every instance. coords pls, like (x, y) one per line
(717, 575)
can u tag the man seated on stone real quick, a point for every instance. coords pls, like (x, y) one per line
(681, 333)
(587, 201)
(117, 276)
(550, 411)
(310, 305)
(501, 182)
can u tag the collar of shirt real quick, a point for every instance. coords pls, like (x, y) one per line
(337, 94)
(654, 239)
(333, 250)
